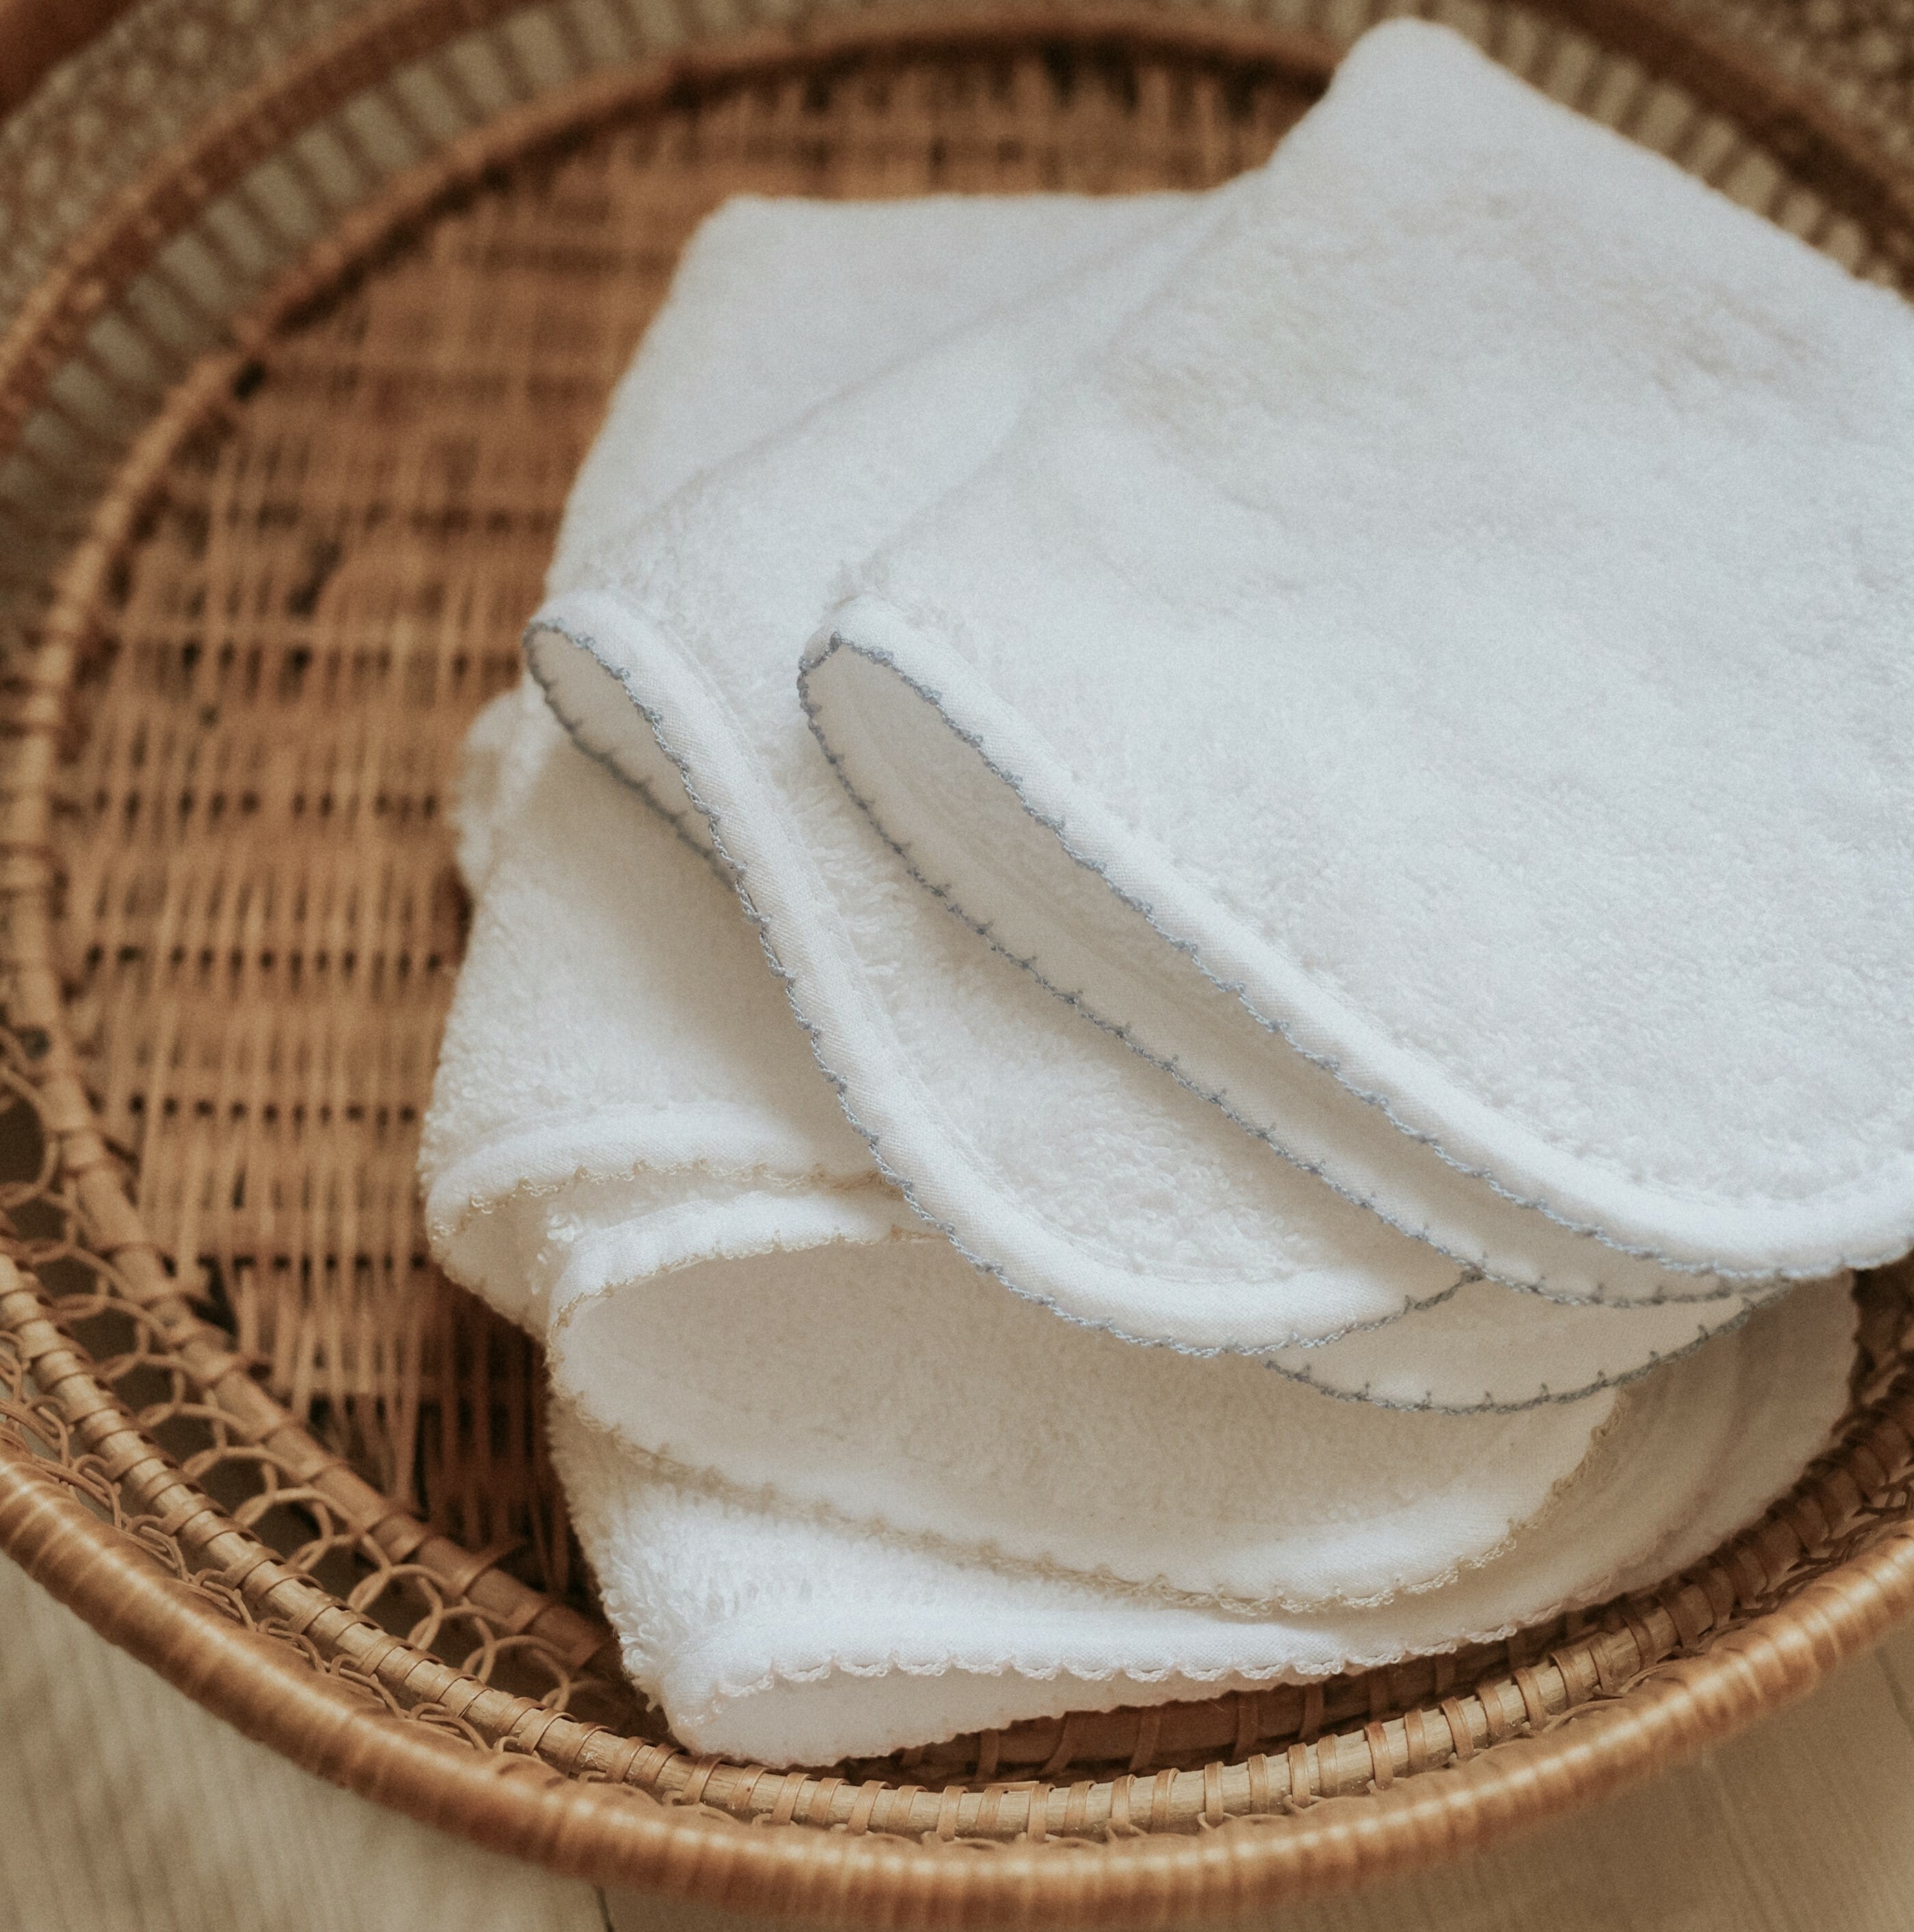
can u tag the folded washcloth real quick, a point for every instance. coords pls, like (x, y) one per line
(1449, 653)
(1470, 1346)
(783, 1636)
(1042, 1148)
(678, 1063)
(912, 1504)
(627, 1148)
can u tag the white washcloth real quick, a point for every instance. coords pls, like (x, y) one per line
(1048, 1151)
(626, 1127)
(1450, 653)
(577, 1044)
(770, 1634)
(627, 1147)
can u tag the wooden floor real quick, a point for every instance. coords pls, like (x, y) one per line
(120, 1803)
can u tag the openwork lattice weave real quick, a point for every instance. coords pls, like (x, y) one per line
(286, 423)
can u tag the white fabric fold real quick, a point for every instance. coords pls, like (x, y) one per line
(614, 1024)
(841, 1491)
(629, 1150)
(1043, 1147)
(1442, 667)
(774, 1635)
(721, 1283)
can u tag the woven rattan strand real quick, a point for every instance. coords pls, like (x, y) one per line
(283, 443)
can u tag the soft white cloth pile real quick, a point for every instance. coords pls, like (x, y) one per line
(1322, 773)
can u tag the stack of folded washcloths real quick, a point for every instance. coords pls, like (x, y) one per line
(1192, 962)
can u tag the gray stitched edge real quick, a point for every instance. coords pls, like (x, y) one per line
(1737, 1281)
(735, 872)
(606, 762)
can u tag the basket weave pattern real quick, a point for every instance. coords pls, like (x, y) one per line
(272, 530)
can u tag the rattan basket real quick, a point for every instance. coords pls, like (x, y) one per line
(286, 418)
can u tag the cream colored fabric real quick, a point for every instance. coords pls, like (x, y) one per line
(630, 1151)
(1284, 695)
(773, 1631)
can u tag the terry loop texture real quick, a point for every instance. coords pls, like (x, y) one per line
(1039, 1146)
(796, 1637)
(1289, 704)
(864, 1358)
(629, 1143)
(647, 1044)
(710, 1193)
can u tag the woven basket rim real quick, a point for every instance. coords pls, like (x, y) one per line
(519, 1802)
(525, 1809)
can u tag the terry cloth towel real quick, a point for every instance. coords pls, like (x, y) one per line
(627, 1147)
(619, 1066)
(1443, 667)
(657, 1057)
(769, 1634)
(1048, 1151)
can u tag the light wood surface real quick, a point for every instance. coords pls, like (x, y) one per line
(1806, 1824)
(173, 1823)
